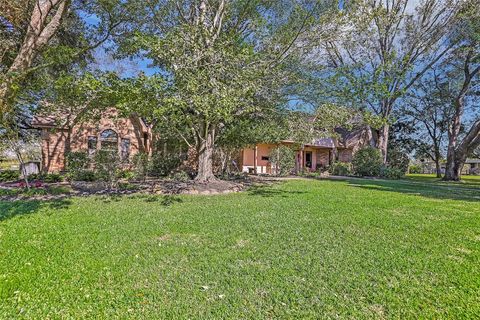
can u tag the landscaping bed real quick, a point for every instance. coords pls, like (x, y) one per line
(47, 191)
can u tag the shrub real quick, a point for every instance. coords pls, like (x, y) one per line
(398, 160)
(52, 178)
(9, 175)
(46, 177)
(341, 169)
(141, 165)
(126, 174)
(282, 159)
(107, 164)
(125, 186)
(85, 175)
(180, 176)
(391, 173)
(367, 162)
(415, 169)
(77, 165)
(162, 166)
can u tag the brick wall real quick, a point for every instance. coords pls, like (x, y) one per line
(57, 142)
(345, 155)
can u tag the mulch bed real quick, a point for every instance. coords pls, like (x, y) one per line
(150, 186)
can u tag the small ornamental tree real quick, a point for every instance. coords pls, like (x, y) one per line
(367, 162)
(282, 159)
(107, 164)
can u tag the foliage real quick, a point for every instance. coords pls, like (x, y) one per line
(9, 175)
(392, 173)
(77, 163)
(141, 165)
(47, 177)
(415, 169)
(367, 162)
(340, 168)
(107, 166)
(221, 61)
(377, 50)
(127, 174)
(84, 175)
(162, 165)
(282, 159)
(180, 176)
(398, 160)
(306, 126)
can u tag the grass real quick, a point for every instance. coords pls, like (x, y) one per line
(301, 249)
(33, 191)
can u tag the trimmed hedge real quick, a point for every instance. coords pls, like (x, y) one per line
(340, 169)
(367, 162)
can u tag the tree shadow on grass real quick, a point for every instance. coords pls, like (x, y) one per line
(268, 191)
(165, 200)
(429, 190)
(10, 209)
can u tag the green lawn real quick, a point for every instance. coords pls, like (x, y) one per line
(301, 249)
(466, 179)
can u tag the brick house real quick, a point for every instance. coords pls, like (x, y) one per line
(60, 135)
(316, 155)
(129, 136)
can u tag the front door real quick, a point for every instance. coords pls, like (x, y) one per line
(308, 159)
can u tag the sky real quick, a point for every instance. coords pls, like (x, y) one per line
(104, 60)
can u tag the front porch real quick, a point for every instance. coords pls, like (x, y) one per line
(309, 158)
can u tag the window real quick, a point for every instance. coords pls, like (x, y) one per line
(109, 140)
(265, 158)
(125, 148)
(92, 145)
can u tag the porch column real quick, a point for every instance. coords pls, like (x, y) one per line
(302, 159)
(314, 160)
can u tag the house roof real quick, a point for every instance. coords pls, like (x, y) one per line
(60, 120)
(48, 121)
(319, 143)
(471, 160)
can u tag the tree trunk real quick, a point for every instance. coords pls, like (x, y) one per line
(437, 167)
(382, 141)
(205, 157)
(44, 22)
(453, 170)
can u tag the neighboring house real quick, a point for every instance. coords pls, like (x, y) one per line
(319, 154)
(127, 136)
(471, 166)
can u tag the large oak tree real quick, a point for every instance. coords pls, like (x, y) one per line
(220, 61)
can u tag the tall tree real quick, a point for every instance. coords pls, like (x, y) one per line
(463, 66)
(382, 49)
(26, 40)
(221, 60)
(38, 36)
(429, 110)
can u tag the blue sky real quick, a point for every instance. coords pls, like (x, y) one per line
(105, 61)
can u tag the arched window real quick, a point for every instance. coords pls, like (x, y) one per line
(109, 140)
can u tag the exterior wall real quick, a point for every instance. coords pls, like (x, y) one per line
(345, 155)
(57, 142)
(248, 159)
(320, 157)
(53, 149)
